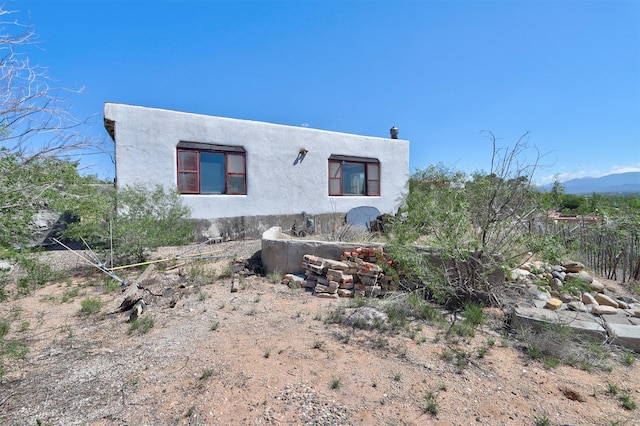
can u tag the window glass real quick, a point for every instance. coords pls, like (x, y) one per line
(188, 183)
(374, 187)
(235, 163)
(212, 175)
(188, 161)
(334, 169)
(373, 171)
(236, 184)
(352, 178)
(334, 186)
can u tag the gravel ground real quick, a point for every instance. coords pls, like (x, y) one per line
(268, 354)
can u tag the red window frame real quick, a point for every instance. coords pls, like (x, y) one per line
(369, 177)
(196, 171)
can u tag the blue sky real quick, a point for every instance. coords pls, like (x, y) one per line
(441, 71)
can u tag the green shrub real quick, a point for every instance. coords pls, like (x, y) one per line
(34, 274)
(90, 306)
(429, 404)
(133, 220)
(474, 314)
(141, 325)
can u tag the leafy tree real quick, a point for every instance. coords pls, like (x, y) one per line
(40, 140)
(133, 220)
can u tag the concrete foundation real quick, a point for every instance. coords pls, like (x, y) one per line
(252, 227)
(282, 253)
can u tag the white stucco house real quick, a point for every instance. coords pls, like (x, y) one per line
(241, 177)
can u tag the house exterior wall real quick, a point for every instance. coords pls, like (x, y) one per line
(145, 152)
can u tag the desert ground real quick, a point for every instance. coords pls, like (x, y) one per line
(274, 355)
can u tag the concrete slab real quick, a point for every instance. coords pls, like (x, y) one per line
(622, 317)
(627, 335)
(578, 321)
(623, 329)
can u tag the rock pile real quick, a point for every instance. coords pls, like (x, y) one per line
(569, 286)
(357, 273)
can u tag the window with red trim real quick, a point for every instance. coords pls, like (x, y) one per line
(211, 171)
(354, 176)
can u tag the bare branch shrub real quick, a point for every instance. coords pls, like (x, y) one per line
(40, 139)
(473, 225)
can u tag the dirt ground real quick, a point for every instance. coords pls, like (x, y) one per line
(266, 354)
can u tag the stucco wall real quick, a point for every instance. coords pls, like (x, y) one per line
(284, 254)
(146, 140)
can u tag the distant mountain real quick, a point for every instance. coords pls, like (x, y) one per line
(625, 183)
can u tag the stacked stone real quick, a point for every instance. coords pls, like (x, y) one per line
(372, 281)
(326, 276)
(357, 273)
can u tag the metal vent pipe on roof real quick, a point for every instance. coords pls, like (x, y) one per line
(394, 132)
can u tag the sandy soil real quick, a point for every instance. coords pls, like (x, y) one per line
(267, 355)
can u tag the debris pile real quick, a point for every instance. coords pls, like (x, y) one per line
(357, 273)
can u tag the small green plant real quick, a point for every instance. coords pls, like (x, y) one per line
(318, 317)
(15, 349)
(612, 389)
(430, 404)
(111, 286)
(482, 352)
(575, 286)
(227, 271)
(442, 386)
(542, 421)
(551, 362)
(90, 306)
(24, 326)
(397, 377)
(141, 325)
(335, 383)
(629, 358)
(474, 314)
(626, 402)
(267, 353)
(214, 325)
(202, 296)
(318, 344)
(5, 325)
(335, 316)
(190, 412)
(69, 295)
(463, 329)
(275, 277)
(462, 360)
(68, 330)
(206, 373)
(446, 355)
(380, 343)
